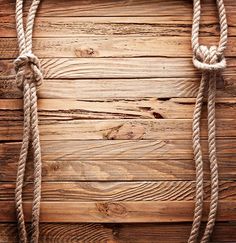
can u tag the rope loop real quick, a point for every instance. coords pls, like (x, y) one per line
(207, 59)
(210, 61)
(27, 66)
(28, 78)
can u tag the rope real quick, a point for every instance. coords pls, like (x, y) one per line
(211, 62)
(28, 78)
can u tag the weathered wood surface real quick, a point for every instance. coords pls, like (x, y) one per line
(118, 160)
(147, 67)
(114, 169)
(107, 109)
(120, 212)
(112, 46)
(117, 129)
(118, 149)
(115, 113)
(119, 191)
(118, 8)
(140, 88)
(118, 233)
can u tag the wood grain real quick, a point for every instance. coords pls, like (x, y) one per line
(89, 68)
(111, 46)
(119, 191)
(117, 129)
(118, 8)
(118, 160)
(94, 89)
(117, 212)
(145, 108)
(118, 149)
(118, 233)
(117, 170)
(108, 26)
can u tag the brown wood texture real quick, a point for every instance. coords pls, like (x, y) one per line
(121, 233)
(115, 115)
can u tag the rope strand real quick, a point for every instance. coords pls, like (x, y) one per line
(211, 62)
(28, 78)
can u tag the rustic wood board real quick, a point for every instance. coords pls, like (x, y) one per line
(115, 113)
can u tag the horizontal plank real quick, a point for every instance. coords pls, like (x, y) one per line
(117, 8)
(111, 46)
(117, 212)
(145, 129)
(79, 68)
(152, 108)
(116, 88)
(118, 160)
(114, 169)
(163, 25)
(86, 68)
(118, 233)
(94, 89)
(119, 191)
(79, 150)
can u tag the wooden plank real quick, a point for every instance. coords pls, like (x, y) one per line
(94, 89)
(116, 170)
(118, 8)
(119, 191)
(153, 108)
(128, 26)
(117, 160)
(117, 212)
(166, 25)
(78, 68)
(90, 68)
(144, 129)
(118, 149)
(111, 46)
(118, 233)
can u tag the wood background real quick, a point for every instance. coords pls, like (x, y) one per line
(115, 115)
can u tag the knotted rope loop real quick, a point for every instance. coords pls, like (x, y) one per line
(27, 66)
(28, 78)
(210, 61)
(207, 59)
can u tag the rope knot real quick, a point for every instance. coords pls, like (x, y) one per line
(207, 59)
(27, 66)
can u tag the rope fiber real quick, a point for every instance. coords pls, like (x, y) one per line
(28, 78)
(210, 61)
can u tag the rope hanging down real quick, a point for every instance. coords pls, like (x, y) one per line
(28, 78)
(211, 62)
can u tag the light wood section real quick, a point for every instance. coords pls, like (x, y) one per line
(119, 191)
(117, 129)
(118, 149)
(111, 46)
(94, 89)
(107, 109)
(87, 68)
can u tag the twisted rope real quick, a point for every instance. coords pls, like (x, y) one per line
(211, 62)
(28, 78)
